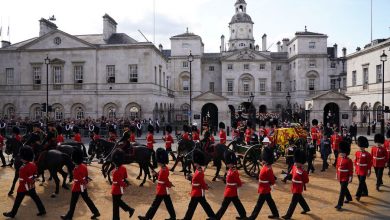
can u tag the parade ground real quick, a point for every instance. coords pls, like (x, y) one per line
(321, 195)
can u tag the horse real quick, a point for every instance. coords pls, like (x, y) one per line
(12, 146)
(140, 155)
(97, 150)
(184, 155)
(78, 145)
(216, 153)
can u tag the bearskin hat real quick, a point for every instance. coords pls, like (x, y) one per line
(221, 125)
(132, 128)
(162, 156)
(314, 122)
(199, 158)
(77, 155)
(206, 134)
(26, 153)
(194, 128)
(379, 139)
(59, 129)
(118, 157)
(51, 124)
(230, 158)
(168, 128)
(150, 128)
(76, 129)
(36, 125)
(249, 124)
(268, 155)
(96, 129)
(15, 130)
(345, 147)
(362, 142)
(299, 156)
(50, 135)
(234, 124)
(186, 128)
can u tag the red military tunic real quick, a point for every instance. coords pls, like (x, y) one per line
(248, 135)
(379, 155)
(118, 180)
(319, 138)
(168, 141)
(233, 181)
(186, 136)
(299, 179)
(235, 133)
(27, 173)
(60, 139)
(80, 178)
(163, 183)
(96, 137)
(112, 137)
(212, 140)
(18, 137)
(266, 180)
(222, 136)
(195, 136)
(132, 137)
(387, 146)
(149, 140)
(344, 169)
(335, 141)
(363, 163)
(198, 184)
(314, 133)
(1, 142)
(77, 138)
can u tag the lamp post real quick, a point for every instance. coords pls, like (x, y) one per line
(339, 81)
(190, 59)
(251, 109)
(47, 62)
(383, 59)
(288, 98)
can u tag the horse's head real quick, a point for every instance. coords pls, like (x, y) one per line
(12, 146)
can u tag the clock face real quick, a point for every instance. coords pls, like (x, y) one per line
(57, 40)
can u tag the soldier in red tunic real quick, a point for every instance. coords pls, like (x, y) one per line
(162, 190)
(169, 141)
(363, 164)
(185, 134)
(248, 132)
(387, 146)
(60, 136)
(233, 182)
(80, 181)
(314, 131)
(149, 144)
(266, 181)
(380, 159)
(112, 136)
(27, 175)
(198, 188)
(119, 182)
(195, 133)
(335, 140)
(222, 133)
(344, 167)
(77, 136)
(132, 134)
(299, 180)
(95, 134)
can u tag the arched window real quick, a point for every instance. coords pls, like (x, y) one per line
(111, 113)
(79, 113)
(58, 114)
(37, 113)
(185, 82)
(134, 113)
(110, 110)
(365, 113)
(247, 84)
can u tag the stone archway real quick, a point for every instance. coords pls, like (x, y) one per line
(332, 114)
(209, 116)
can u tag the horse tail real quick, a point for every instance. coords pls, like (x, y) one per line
(69, 164)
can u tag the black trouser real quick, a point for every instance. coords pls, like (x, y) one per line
(362, 188)
(310, 164)
(336, 155)
(116, 203)
(297, 198)
(237, 203)
(169, 150)
(315, 145)
(379, 175)
(156, 203)
(87, 200)
(153, 156)
(344, 193)
(2, 157)
(325, 164)
(33, 194)
(260, 202)
(192, 206)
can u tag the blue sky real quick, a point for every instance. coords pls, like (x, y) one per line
(346, 22)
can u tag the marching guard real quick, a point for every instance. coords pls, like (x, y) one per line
(149, 144)
(169, 141)
(79, 187)
(233, 182)
(266, 181)
(335, 140)
(27, 175)
(222, 133)
(162, 190)
(314, 131)
(299, 180)
(77, 135)
(1, 151)
(344, 167)
(195, 133)
(387, 146)
(380, 159)
(363, 164)
(186, 135)
(198, 188)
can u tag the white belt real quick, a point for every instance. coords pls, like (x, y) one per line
(115, 182)
(362, 165)
(30, 177)
(150, 142)
(231, 184)
(343, 170)
(20, 179)
(379, 158)
(195, 184)
(160, 182)
(167, 142)
(263, 181)
(296, 181)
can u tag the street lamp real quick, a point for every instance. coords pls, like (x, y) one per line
(190, 59)
(339, 81)
(47, 62)
(252, 110)
(383, 59)
(288, 98)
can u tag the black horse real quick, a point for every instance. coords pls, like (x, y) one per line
(216, 153)
(184, 155)
(98, 151)
(136, 154)
(12, 147)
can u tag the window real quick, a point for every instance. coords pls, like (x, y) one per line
(333, 84)
(294, 65)
(344, 82)
(312, 84)
(246, 66)
(10, 111)
(353, 78)
(79, 113)
(290, 50)
(278, 86)
(211, 86)
(155, 75)
(37, 75)
(312, 63)
(241, 45)
(159, 75)
(37, 113)
(111, 112)
(186, 86)
(133, 73)
(246, 88)
(379, 73)
(295, 85)
(290, 66)
(294, 47)
(134, 113)
(110, 70)
(230, 66)
(164, 79)
(365, 78)
(312, 45)
(185, 64)
(262, 66)
(332, 65)
(262, 83)
(279, 67)
(211, 68)
(9, 74)
(78, 73)
(58, 115)
(230, 86)
(57, 74)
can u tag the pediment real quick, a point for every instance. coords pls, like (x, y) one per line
(209, 96)
(331, 95)
(246, 55)
(57, 40)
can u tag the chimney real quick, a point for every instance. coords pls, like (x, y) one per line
(344, 52)
(222, 43)
(335, 50)
(285, 42)
(358, 49)
(278, 46)
(5, 44)
(46, 26)
(109, 27)
(160, 47)
(264, 41)
(257, 48)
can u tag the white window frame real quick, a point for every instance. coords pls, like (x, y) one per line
(379, 73)
(37, 75)
(211, 86)
(9, 75)
(278, 86)
(186, 85)
(79, 113)
(278, 67)
(312, 45)
(133, 73)
(57, 74)
(58, 114)
(246, 87)
(110, 73)
(365, 77)
(333, 65)
(311, 84)
(312, 63)
(230, 87)
(37, 113)
(78, 71)
(246, 66)
(354, 78)
(211, 68)
(230, 66)
(262, 66)
(333, 84)
(185, 64)
(111, 113)
(134, 112)
(262, 85)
